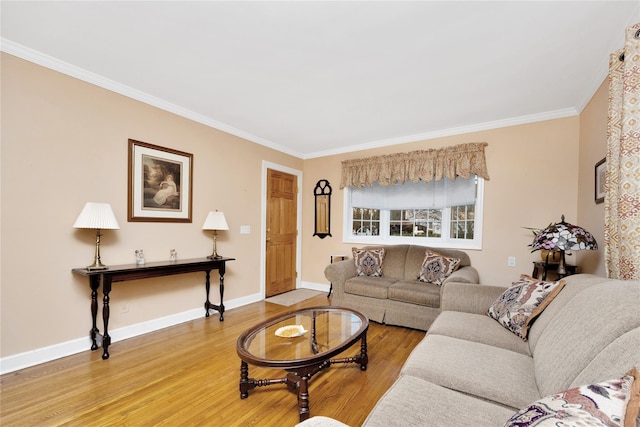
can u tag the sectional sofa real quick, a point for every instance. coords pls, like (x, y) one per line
(470, 370)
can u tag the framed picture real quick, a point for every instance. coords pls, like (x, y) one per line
(601, 169)
(160, 184)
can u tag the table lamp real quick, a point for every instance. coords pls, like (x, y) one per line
(561, 237)
(97, 216)
(215, 221)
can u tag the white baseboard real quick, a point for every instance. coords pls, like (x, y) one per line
(315, 286)
(46, 354)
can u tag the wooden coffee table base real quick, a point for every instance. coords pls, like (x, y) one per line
(297, 380)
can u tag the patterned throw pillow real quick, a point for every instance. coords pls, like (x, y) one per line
(607, 404)
(435, 267)
(369, 261)
(518, 306)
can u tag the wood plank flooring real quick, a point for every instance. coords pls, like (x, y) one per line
(188, 375)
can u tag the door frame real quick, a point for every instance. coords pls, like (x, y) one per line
(263, 223)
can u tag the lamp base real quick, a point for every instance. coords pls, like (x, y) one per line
(97, 264)
(562, 270)
(214, 254)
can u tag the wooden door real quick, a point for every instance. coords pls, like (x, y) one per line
(281, 233)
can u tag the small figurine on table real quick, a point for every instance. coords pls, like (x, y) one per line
(139, 257)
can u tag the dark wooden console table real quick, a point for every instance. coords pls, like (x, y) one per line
(121, 273)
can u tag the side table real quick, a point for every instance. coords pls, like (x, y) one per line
(540, 269)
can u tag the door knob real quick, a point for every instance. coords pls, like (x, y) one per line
(268, 239)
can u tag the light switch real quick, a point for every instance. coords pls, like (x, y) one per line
(245, 229)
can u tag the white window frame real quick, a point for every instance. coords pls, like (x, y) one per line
(440, 242)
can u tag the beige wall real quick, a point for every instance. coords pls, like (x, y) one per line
(593, 148)
(534, 177)
(64, 142)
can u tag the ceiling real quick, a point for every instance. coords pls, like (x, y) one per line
(319, 78)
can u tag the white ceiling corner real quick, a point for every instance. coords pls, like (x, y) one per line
(318, 78)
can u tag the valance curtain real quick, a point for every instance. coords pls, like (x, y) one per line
(622, 183)
(461, 160)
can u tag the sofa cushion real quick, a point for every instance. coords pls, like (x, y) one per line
(416, 293)
(369, 262)
(603, 404)
(436, 268)
(574, 284)
(478, 328)
(374, 287)
(415, 257)
(477, 369)
(519, 305)
(394, 260)
(590, 323)
(412, 401)
(624, 351)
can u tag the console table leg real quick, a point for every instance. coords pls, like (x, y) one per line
(106, 339)
(94, 283)
(221, 309)
(207, 285)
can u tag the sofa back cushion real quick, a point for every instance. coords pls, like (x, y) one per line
(574, 284)
(585, 326)
(415, 257)
(394, 260)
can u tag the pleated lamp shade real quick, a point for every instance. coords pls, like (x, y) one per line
(97, 216)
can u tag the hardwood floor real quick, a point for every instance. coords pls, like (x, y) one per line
(188, 375)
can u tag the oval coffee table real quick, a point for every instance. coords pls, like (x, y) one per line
(328, 331)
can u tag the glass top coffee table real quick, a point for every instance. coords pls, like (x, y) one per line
(302, 343)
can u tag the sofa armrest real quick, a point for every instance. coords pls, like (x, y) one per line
(338, 273)
(469, 298)
(467, 274)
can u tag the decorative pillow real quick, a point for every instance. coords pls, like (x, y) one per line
(435, 267)
(369, 261)
(607, 404)
(518, 306)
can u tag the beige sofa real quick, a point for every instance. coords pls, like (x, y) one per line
(396, 298)
(471, 371)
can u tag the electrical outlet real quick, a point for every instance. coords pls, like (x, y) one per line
(511, 261)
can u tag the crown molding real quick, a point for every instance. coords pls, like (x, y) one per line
(514, 121)
(63, 67)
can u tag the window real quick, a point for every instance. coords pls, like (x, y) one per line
(441, 213)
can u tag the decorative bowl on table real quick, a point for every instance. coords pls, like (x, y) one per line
(290, 331)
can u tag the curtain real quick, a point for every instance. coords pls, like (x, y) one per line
(461, 160)
(622, 182)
